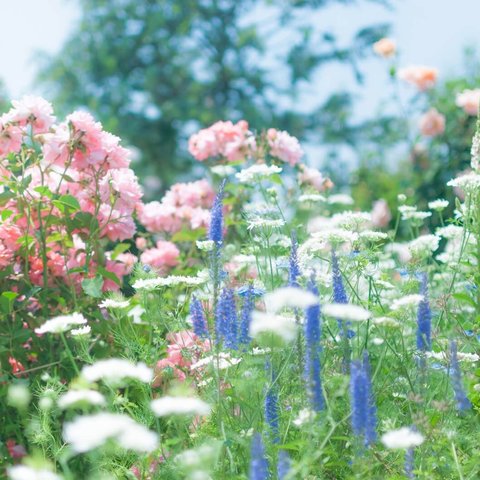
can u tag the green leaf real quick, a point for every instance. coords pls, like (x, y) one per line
(5, 196)
(43, 190)
(110, 275)
(6, 214)
(67, 202)
(6, 301)
(119, 249)
(93, 286)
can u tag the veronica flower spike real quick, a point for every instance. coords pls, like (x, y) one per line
(215, 232)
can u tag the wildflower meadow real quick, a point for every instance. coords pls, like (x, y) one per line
(251, 324)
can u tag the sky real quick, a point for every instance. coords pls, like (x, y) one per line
(430, 32)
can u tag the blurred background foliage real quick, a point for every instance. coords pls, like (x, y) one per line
(154, 71)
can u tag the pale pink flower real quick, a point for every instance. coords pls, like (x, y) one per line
(11, 137)
(120, 187)
(381, 214)
(314, 178)
(284, 146)
(141, 243)
(128, 260)
(432, 123)
(165, 369)
(163, 257)
(194, 194)
(469, 100)
(157, 217)
(55, 145)
(225, 139)
(421, 76)
(385, 47)
(32, 110)
(114, 224)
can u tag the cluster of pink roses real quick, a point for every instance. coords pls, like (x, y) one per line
(81, 166)
(185, 205)
(235, 142)
(185, 348)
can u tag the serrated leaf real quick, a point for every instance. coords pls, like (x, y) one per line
(93, 286)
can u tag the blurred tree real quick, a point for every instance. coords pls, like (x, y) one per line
(153, 71)
(4, 105)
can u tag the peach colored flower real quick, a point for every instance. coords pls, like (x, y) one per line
(469, 100)
(432, 123)
(421, 76)
(385, 47)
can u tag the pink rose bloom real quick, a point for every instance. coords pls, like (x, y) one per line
(163, 257)
(55, 145)
(193, 194)
(32, 110)
(432, 123)
(122, 185)
(231, 141)
(117, 156)
(141, 243)
(90, 135)
(385, 47)
(11, 137)
(6, 256)
(469, 100)
(420, 76)
(119, 269)
(166, 368)
(128, 260)
(284, 146)
(157, 217)
(314, 178)
(381, 214)
(115, 225)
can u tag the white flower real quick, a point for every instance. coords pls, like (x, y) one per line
(116, 369)
(352, 220)
(346, 311)
(340, 199)
(386, 321)
(136, 313)
(264, 223)
(61, 324)
(311, 197)
(222, 361)
(469, 182)
(223, 170)
(24, 472)
(179, 406)
(439, 204)
(450, 232)
(81, 331)
(257, 172)
(92, 431)
(304, 416)
(289, 297)
(461, 356)
(407, 301)
(205, 245)
(112, 303)
(172, 280)
(372, 236)
(73, 397)
(410, 213)
(262, 322)
(424, 245)
(402, 438)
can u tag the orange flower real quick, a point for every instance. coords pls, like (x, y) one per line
(419, 75)
(432, 123)
(385, 47)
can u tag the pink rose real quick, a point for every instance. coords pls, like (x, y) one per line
(432, 123)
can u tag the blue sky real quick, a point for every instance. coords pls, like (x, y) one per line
(431, 32)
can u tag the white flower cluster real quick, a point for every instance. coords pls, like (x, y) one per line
(115, 370)
(61, 324)
(285, 327)
(346, 311)
(88, 432)
(411, 213)
(169, 405)
(257, 172)
(403, 438)
(289, 297)
(172, 280)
